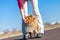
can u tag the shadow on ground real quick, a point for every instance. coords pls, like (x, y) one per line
(27, 39)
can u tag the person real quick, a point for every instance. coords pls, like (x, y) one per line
(23, 6)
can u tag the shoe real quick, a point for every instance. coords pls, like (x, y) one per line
(24, 38)
(40, 35)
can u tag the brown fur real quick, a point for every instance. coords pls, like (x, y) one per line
(32, 22)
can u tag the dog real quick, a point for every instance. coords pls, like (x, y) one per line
(31, 25)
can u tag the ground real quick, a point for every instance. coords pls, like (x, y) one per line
(53, 34)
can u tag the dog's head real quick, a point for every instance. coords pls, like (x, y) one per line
(30, 19)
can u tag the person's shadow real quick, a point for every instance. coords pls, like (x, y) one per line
(27, 39)
(19, 39)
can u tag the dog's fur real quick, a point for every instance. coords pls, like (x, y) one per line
(31, 23)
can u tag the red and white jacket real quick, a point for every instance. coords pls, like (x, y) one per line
(20, 3)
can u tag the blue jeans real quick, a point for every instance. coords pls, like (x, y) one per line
(23, 29)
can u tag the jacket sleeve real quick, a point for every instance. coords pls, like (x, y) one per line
(20, 3)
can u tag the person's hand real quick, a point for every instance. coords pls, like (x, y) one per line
(25, 21)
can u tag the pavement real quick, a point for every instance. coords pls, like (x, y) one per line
(53, 34)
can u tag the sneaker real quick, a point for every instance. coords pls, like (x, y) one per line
(40, 35)
(24, 38)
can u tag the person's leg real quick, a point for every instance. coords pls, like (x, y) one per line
(23, 29)
(38, 16)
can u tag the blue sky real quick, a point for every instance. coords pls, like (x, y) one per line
(10, 14)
